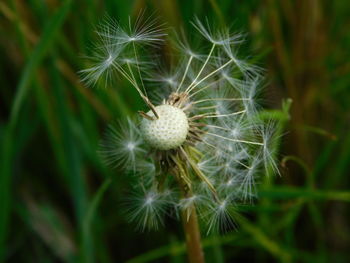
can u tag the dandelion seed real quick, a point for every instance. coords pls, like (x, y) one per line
(220, 216)
(122, 146)
(218, 37)
(148, 210)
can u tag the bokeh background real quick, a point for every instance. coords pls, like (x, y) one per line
(59, 203)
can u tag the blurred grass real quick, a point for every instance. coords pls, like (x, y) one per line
(58, 203)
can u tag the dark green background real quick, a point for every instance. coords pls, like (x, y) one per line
(58, 203)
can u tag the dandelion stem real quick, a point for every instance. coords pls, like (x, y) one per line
(189, 215)
(192, 233)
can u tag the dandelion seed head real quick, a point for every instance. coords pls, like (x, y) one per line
(167, 132)
(202, 142)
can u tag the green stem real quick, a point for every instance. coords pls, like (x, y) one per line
(189, 216)
(193, 237)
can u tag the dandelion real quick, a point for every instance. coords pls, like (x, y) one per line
(200, 146)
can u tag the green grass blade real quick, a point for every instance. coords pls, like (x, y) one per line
(38, 54)
(23, 87)
(314, 194)
(88, 254)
